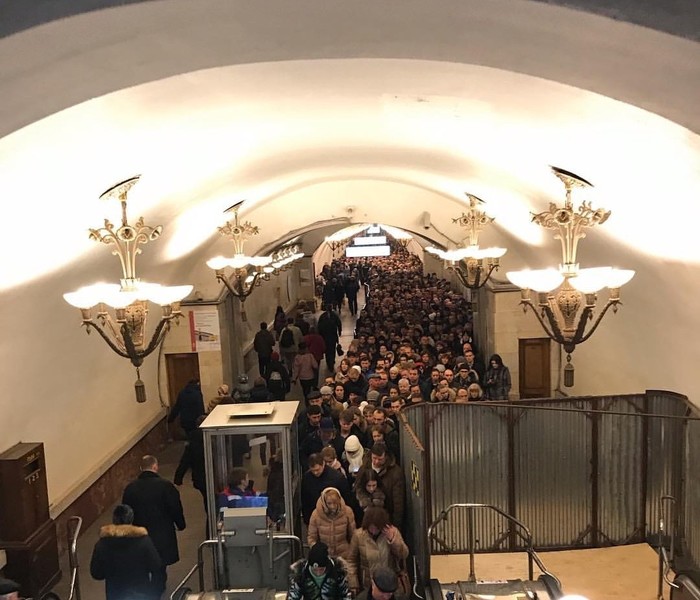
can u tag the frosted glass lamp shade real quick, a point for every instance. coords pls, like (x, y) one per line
(165, 295)
(493, 252)
(619, 277)
(455, 255)
(217, 263)
(260, 261)
(91, 295)
(239, 261)
(121, 299)
(541, 280)
(590, 281)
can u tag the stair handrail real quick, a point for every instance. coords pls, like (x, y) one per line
(74, 525)
(665, 559)
(523, 532)
(199, 567)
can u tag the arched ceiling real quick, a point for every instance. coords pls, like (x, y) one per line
(307, 107)
(306, 110)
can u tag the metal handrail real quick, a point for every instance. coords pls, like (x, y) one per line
(217, 555)
(664, 558)
(526, 536)
(73, 526)
(415, 579)
(198, 566)
(271, 537)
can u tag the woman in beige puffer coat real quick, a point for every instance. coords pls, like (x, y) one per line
(332, 522)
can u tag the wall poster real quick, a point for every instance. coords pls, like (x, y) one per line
(205, 334)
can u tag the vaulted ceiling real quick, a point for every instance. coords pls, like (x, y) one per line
(308, 109)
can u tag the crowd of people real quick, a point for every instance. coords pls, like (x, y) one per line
(412, 343)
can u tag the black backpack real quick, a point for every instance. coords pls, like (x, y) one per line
(275, 383)
(287, 338)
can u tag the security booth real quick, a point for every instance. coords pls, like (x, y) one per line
(253, 498)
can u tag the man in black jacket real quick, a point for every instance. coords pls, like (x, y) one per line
(318, 478)
(9, 590)
(189, 406)
(278, 380)
(263, 344)
(351, 288)
(330, 329)
(157, 507)
(356, 383)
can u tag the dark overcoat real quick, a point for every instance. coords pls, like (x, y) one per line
(157, 507)
(124, 557)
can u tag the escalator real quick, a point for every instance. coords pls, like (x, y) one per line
(545, 587)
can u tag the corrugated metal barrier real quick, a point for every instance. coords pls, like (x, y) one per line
(579, 472)
(691, 511)
(413, 459)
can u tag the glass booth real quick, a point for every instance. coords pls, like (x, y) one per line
(253, 501)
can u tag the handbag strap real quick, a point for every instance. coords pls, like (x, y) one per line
(401, 565)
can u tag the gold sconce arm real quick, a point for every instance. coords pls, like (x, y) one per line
(238, 287)
(475, 275)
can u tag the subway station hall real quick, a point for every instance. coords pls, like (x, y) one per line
(507, 191)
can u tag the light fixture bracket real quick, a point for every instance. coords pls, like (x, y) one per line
(472, 266)
(125, 332)
(567, 314)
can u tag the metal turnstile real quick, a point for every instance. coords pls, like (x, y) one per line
(254, 539)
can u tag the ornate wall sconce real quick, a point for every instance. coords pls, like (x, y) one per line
(125, 332)
(567, 296)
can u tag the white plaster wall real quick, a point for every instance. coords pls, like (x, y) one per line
(509, 326)
(323, 255)
(648, 344)
(67, 389)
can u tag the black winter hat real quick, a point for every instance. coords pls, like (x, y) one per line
(318, 555)
(7, 586)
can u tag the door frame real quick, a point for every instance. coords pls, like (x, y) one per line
(546, 344)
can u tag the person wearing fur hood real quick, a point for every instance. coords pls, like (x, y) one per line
(125, 557)
(332, 522)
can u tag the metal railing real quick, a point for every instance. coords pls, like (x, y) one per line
(73, 527)
(199, 567)
(666, 558)
(218, 570)
(521, 531)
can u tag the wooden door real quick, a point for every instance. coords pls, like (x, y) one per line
(181, 368)
(534, 366)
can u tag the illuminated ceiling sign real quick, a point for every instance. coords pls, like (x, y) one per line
(375, 240)
(359, 251)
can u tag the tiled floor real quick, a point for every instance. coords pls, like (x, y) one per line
(627, 572)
